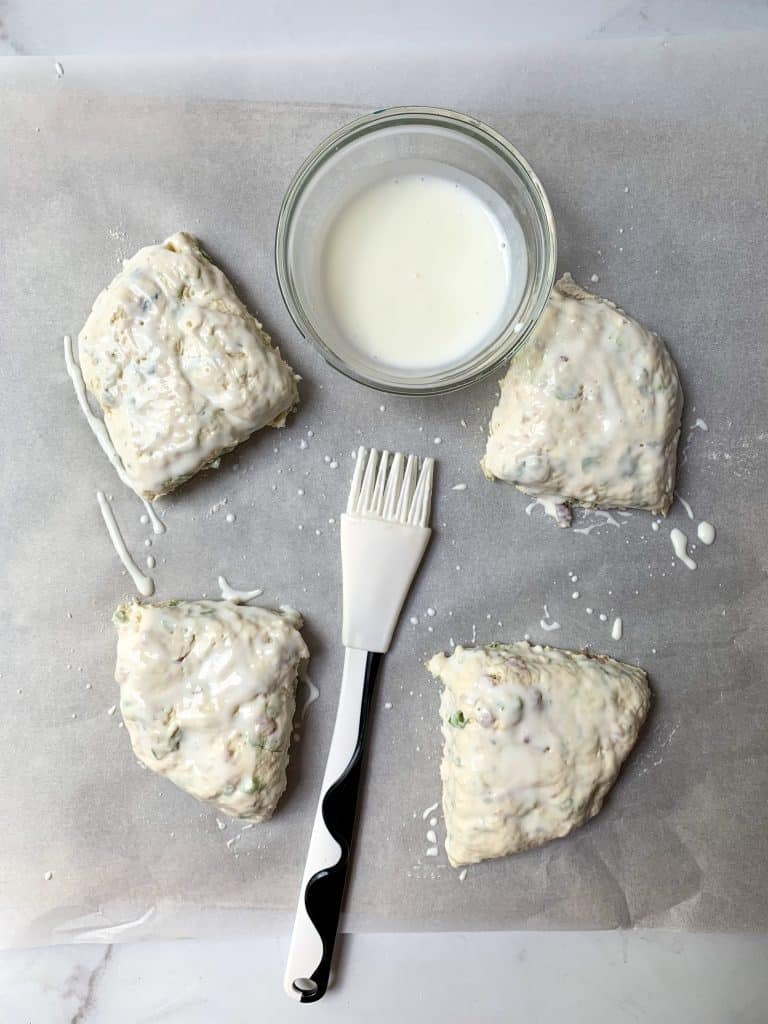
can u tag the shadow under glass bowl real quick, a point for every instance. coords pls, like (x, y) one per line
(396, 141)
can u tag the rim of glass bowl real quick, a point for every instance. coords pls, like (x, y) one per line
(508, 341)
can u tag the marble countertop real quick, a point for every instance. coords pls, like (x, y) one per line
(602, 977)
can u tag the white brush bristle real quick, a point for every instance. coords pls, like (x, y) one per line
(391, 488)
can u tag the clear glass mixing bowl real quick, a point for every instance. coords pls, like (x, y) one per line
(399, 140)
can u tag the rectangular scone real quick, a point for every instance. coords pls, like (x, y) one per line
(181, 370)
(534, 738)
(208, 694)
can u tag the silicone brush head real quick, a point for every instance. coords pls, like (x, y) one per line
(384, 534)
(393, 490)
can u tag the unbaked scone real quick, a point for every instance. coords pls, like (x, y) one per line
(181, 370)
(208, 693)
(534, 738)
(589, 411)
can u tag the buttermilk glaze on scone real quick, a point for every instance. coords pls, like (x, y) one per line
(589, 411)
(208, 693)
(534, 738)
(180, 368)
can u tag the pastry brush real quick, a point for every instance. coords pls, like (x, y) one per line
(384, 535)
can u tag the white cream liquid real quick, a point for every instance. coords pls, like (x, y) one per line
(418, 272)
(144, 584)
(230, 593)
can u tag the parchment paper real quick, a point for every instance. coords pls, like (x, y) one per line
(655, 162)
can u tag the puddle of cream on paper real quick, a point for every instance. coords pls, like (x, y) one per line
(229, 593)
(158, 526)
(680, 545)
(706, 532)
(144, 584)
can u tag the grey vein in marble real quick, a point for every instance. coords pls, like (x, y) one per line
(93, 980)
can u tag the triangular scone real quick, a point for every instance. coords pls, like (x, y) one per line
(180, 368)
(589, 411)
(207, 693)
(534, 739)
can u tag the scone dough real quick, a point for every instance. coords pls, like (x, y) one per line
(180, 368)
(208, 693)
(589, 411)
(534, 738)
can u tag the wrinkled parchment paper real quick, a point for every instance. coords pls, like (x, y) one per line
(655, 162)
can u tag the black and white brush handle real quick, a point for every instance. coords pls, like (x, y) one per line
(325, 873)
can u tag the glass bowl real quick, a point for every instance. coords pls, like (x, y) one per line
(412, 140)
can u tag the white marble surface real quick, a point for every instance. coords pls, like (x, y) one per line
(342, 26)
(600, 977)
